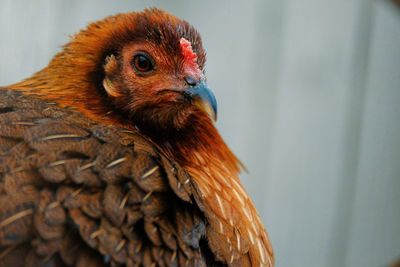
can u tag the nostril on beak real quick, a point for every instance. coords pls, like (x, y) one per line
(190, 80)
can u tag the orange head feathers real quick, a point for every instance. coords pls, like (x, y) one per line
(102, 70)
(145, 71)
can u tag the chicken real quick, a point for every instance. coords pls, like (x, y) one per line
(109, 156)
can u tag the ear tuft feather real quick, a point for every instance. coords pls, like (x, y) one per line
(111, 65)
(110, 68)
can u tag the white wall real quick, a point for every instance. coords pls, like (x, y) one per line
(309, 99)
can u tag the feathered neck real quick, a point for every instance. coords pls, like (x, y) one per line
(199, 146)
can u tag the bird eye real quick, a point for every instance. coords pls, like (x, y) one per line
(142, 62)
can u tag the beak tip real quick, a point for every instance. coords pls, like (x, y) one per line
(204, 98)
(214, 114)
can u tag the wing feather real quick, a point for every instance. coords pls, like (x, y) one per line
(74, 192)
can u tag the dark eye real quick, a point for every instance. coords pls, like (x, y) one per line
(142, 62)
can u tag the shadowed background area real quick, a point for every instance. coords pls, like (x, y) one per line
(309, 99)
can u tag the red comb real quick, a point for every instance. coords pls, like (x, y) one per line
(187, 51)
(190, 60)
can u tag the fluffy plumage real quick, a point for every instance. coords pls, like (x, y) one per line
(93, 75)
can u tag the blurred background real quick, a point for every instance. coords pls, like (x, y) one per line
(309, 99)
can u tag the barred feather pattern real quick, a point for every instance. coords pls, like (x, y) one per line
(78, 193)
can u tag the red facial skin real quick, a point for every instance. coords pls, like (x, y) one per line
(166, 76)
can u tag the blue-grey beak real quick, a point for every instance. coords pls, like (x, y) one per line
(203, 98)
